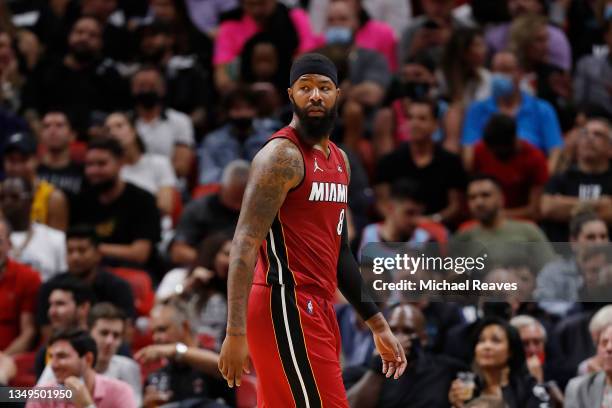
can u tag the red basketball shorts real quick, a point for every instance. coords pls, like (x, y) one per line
(294, 342)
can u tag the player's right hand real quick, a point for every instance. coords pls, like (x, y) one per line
(234, 359)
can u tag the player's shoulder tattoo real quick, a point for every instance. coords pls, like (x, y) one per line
(281, 162)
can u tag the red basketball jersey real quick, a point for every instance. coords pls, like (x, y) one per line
(303, 243)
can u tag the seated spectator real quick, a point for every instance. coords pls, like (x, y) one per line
(37, 245)
(191, 373)
(519, 167)
(427, 377)
(73, 356)
(187, 80)
(591, 80)
(290, 27)
(559, 282)
(65, 305)
(107, 327)
(164, 131)
(367, 33)
(148, 171)
(439, 172)
(203, 287)
(498, 349)
(57, 165)
(533, 336)
(600, 320)
(592, 390)
(209, 214)
(240, 138)
(401, 219)
(430, 31)
(124, 216)
(205, 15)
(590, 180)
(11, 79)
(19, 286)
(558, 49)
(464, 79)
(84, 257)
(49, 204)
(493, 230)
(416, 80)
(536, 120)
(82, 83)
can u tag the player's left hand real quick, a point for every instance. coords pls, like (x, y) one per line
(391, 352)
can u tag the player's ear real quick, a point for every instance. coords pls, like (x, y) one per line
(290, 92)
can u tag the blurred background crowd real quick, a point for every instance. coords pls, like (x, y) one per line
(126, 133)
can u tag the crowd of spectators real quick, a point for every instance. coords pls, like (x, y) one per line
(127, 128)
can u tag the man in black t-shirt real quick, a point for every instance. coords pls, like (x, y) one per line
(124, 216)
(424, 384)
(590, 180)
(56, 165)
(210, 214)
(439, 172)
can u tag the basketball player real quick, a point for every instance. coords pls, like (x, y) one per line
(292, 231)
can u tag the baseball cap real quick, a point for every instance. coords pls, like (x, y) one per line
(21, 142)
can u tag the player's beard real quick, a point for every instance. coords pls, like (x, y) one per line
(315, 128)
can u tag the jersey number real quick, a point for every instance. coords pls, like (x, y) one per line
(340, 222)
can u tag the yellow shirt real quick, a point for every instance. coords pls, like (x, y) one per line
(40, 203)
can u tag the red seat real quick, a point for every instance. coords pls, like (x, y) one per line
(177, 206)
(205, 189)
(246, 394)
(142, 288)
(25, 377)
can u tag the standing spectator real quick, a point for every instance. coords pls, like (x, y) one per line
(188, 87)
(107, 327)
(498, 349)
(494, 230)
(73, 357)
(464, 79)
(425, 382)
(430, 31)
(558, 50)
(40, 246)
(191, 372)
(163, 130)
(49, 204)
(83, 83)
(240, 138)
(440, 172)
(19, 286)
(592, 390)
(536, 120)
(519, 167)
(84, 257)
(149, 171)
(124, 216)
(210, 214)
(590, 180)
(290, 27)
(56, 164)
(592, 83)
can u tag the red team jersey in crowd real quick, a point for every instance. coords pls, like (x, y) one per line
(293, 334)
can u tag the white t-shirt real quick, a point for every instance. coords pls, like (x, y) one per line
(120, 368)
(164, 133)
(151, 172)
(45, 252)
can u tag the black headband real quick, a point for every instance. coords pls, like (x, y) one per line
(313, 64)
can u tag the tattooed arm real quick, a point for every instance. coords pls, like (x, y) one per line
(276, 169)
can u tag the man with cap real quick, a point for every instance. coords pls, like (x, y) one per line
(49, 204)
(292, 232)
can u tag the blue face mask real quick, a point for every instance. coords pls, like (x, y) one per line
(501, 86)
(338, 35)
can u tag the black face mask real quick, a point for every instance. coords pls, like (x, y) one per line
(415, 90)
(241, 124)
(83, 56)
(148, 99)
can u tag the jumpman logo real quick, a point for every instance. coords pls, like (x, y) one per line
(316, 166)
